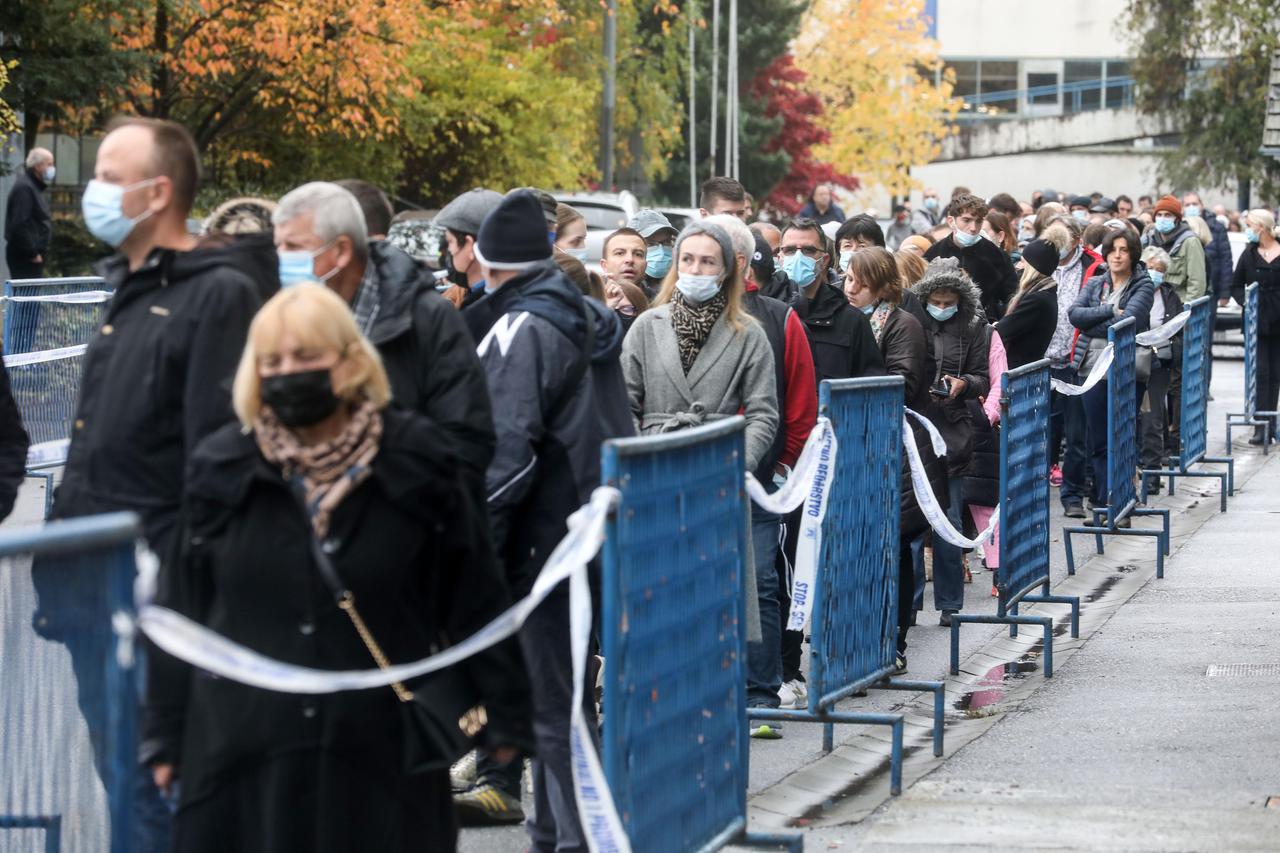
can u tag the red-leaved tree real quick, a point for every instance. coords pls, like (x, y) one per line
(780, 86)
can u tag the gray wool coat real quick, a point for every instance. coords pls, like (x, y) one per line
(733, 372)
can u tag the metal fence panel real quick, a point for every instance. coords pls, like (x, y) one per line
(1196, 336)
(675, 732)
(34, 326)
(46, 391)
(854, 626)
(1024, 481)
(69, 701)
(1122, 419)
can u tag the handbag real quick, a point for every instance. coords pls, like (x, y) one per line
(1142, 363)
(438, 732)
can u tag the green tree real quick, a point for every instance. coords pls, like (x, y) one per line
(67, 60)
(1218, 107)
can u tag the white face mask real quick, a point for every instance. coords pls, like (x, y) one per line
(698, 288)
(49, 174)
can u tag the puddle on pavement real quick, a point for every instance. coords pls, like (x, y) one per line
(982, 699)
(1102, 589)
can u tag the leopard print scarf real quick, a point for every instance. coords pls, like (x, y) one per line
(693, 323)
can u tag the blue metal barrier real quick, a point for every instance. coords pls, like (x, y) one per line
(1113, 519)
(46, 389)
(1197, 338)
(854, 622)
(1024, 512)
(675, 738)
(34, 326)
(68, 709)
(1250, 416)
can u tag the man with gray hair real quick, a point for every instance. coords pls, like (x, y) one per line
(430, 358)
(28, 227)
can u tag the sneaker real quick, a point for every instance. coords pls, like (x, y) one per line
(899, 663)
(945, 619)
(485, 805)
(1073, 509)
(793, 694)
(1055, 476)
(766, 731)
(995, 592)
(462, 775)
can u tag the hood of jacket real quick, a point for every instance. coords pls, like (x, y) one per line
(546, 292)
(946, 274)
(397, 275)
(254, 255)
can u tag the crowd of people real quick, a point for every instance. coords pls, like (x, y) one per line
(344, 461)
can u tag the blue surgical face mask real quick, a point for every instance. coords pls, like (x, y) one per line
(579, 255)
(800, 269)
(698, 288)
(49, 174)
(942, 315)
(964, 239)
(299, 265)
(1156, 276)
(1082, 215)
(870, 309)
(1250, 235)
(657, 261)
(1164, 226)
(1191, 210)
(845, 257)
(931, 203)
(103, 208)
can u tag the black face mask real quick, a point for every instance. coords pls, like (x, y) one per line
(300, 399)
(446, 262)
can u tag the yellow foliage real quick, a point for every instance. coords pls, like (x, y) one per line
(8, 118)
(864, 60)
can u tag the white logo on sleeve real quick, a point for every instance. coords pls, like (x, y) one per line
(504, 332)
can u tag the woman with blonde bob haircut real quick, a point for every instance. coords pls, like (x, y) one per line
(332, 531)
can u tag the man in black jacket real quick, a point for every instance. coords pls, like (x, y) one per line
(156, 380)
(984, 261)
(28, 227)
(13, 446)
(561, 396)
(423, 342)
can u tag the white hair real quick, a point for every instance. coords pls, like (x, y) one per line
(744, 242)
(334, 211)
(37, 156)
(1156, 255)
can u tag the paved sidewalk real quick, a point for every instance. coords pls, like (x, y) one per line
(1139, 743)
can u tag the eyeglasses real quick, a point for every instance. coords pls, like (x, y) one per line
(807, 251)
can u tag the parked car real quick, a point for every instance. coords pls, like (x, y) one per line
(604, 212)
(680, 216)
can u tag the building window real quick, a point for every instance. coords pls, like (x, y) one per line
(998, 83)
(1082, 86)
(1043, 88)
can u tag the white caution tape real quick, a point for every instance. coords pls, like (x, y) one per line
(48, 452)
(935, 437)
(22, 358)
(809, 484)
(1098, 374)
(84, 296)
(929, 502)
(1155, 337)
(200, 647)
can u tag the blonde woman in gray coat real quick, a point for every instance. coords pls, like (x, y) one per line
(697, 356)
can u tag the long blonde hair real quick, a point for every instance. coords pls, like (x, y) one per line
(735, 315)
(317, 318)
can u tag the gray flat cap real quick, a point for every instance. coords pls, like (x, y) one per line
(649, 222)
(465, 213)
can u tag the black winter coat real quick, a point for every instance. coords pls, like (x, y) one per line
(988, 266)
(157, 379)
(28, 227)
(429, 356)
(839, 335)
(1027, 330)
(13, 446)
(981, 484)
(268, 771)
(902, 343)
(1250, 268)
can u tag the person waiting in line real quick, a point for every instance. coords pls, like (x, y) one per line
(981, 479)
(626, 300)
(28, 224)
(624, 257)
(1123, 290)
(821, 207)
(1159, 434)
(1260, 262)
(660, 239)
(954, 330)
(461, 220)
(320, 457)
(986, 265)
(899, 228)
(571, 233)
(917, 244)
(723, 195)
(374, 204)
(1027, 329)
(999, 229)
(767, 274)
(839, 336)
(874, 286)
(855, 234)
(797, 412)
(587, 281)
